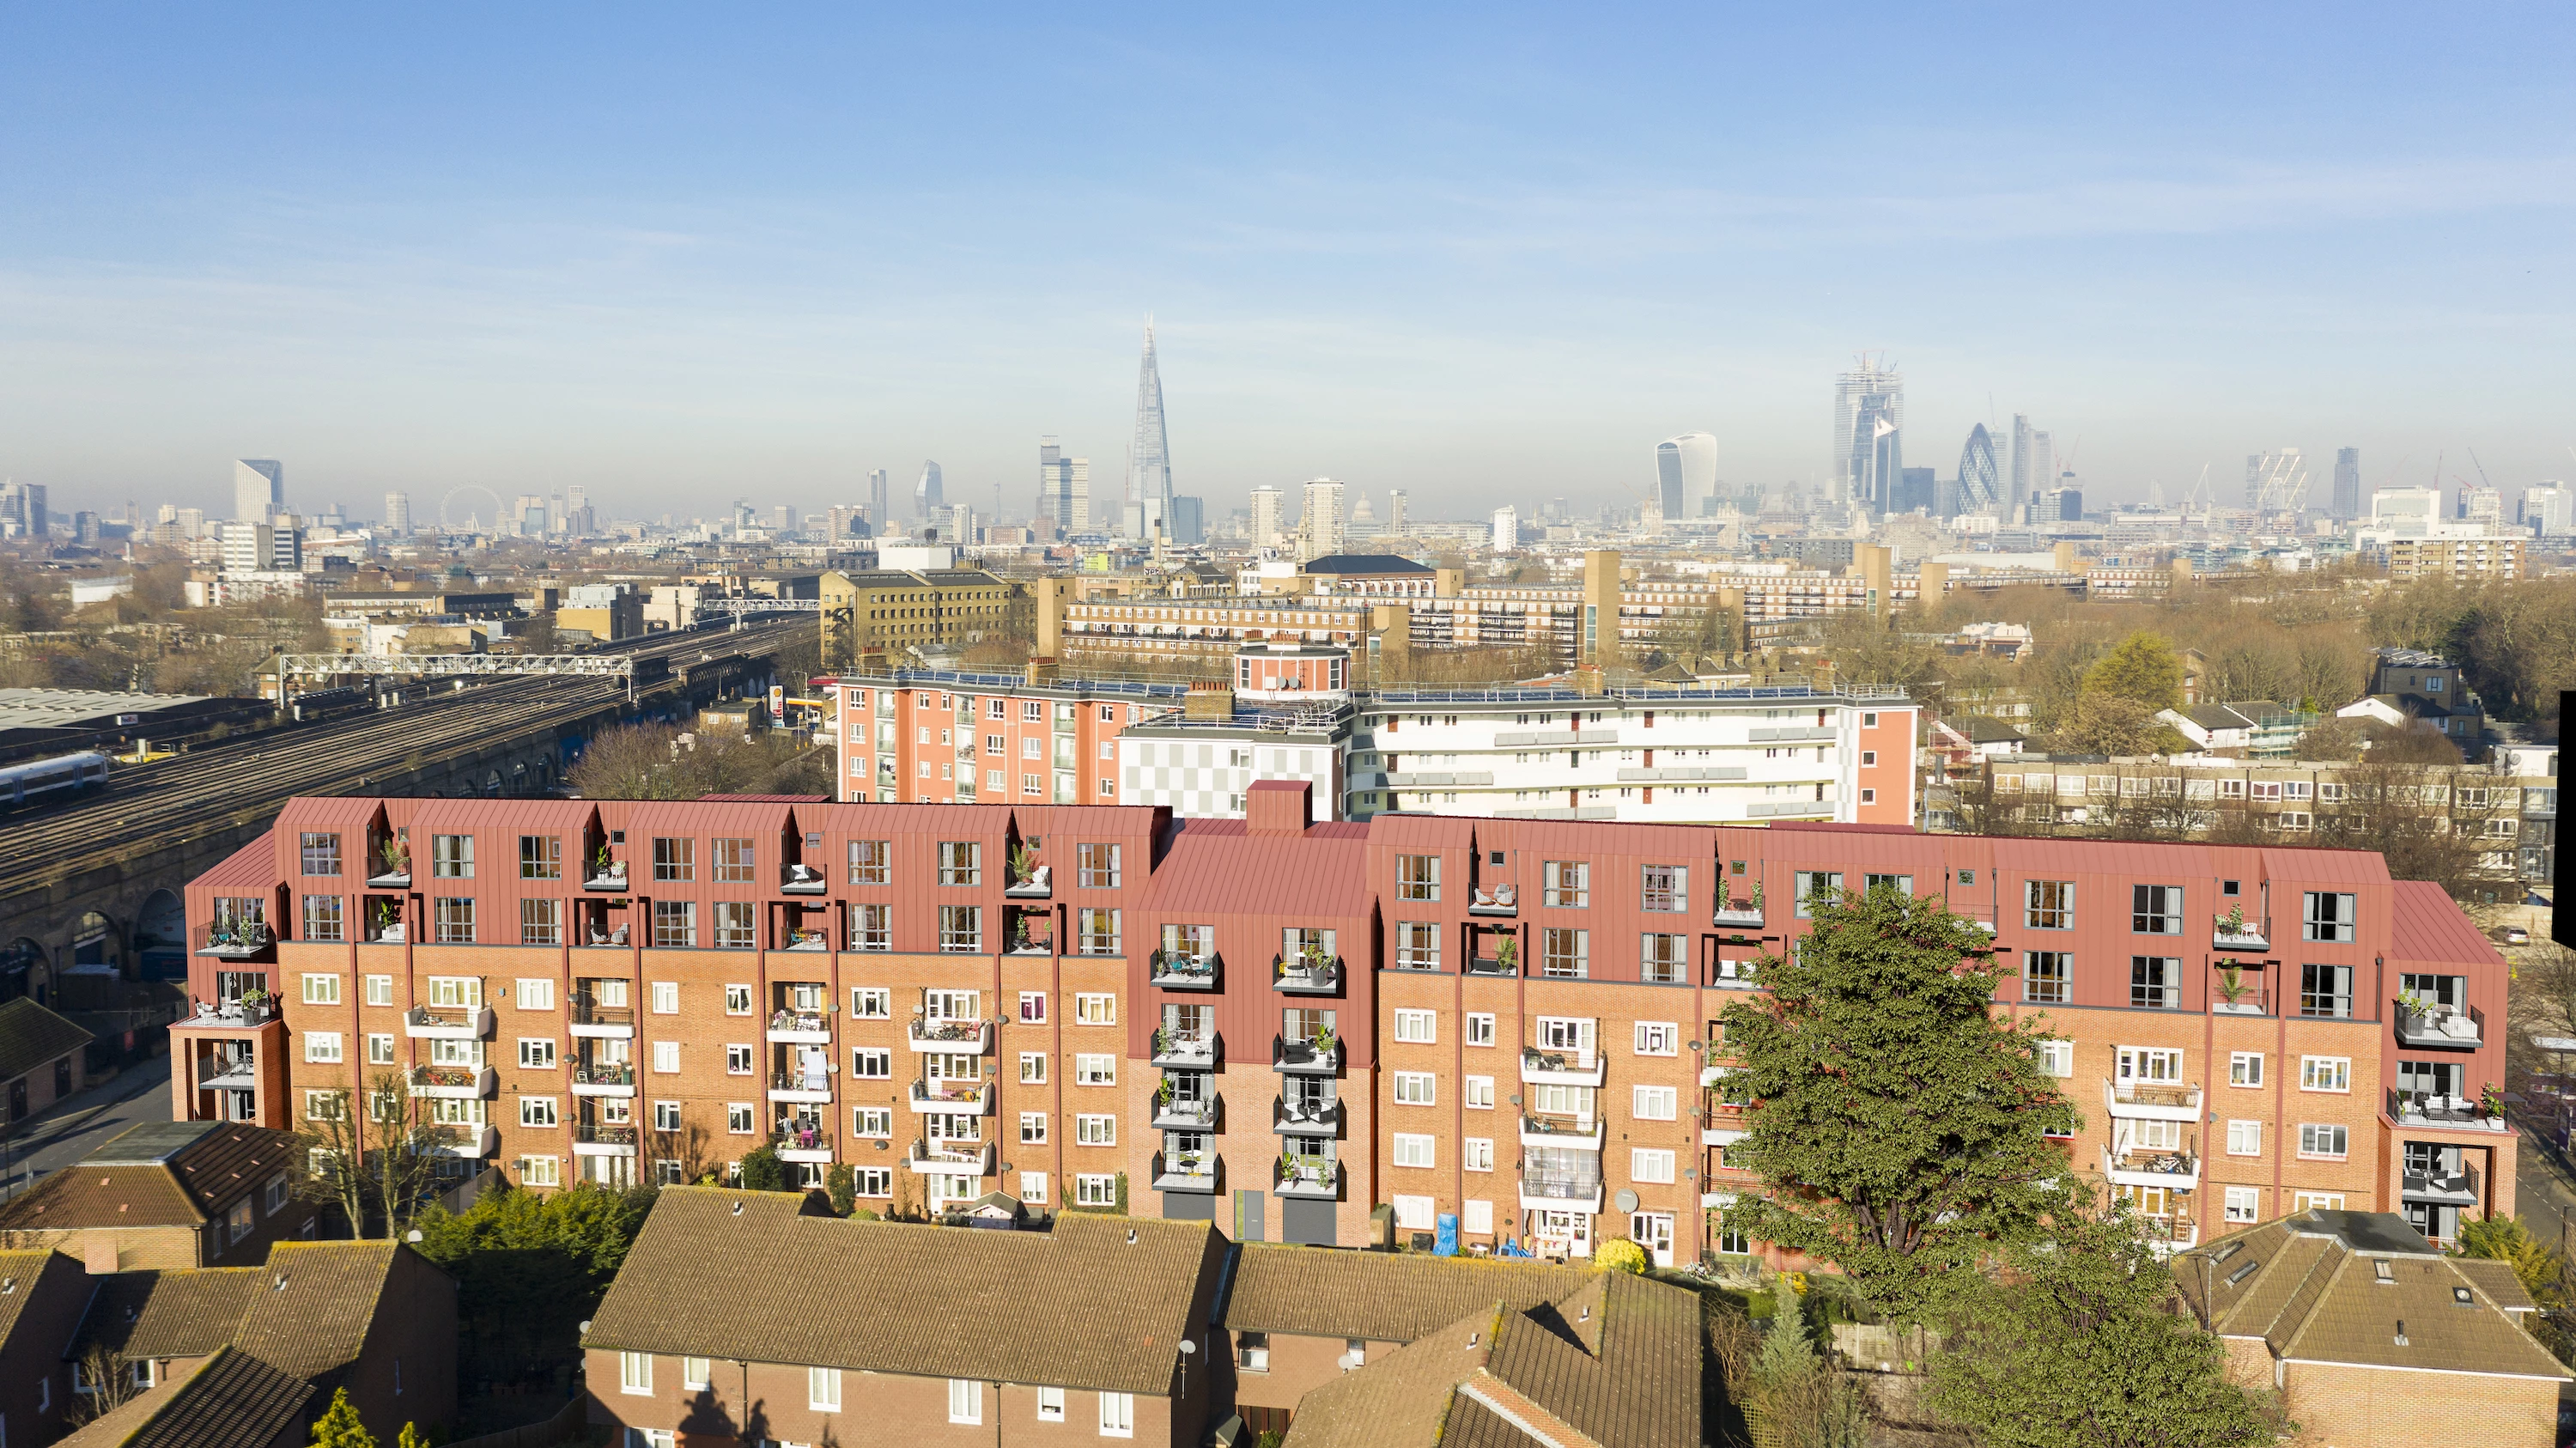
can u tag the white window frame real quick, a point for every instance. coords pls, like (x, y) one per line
(1417, 1028)
(635, 1373)
(2245, 1070)
(321, 989)
(2244, 1204)
(1659, 1038)
(1476, 1153)
(965, 1400)
(2057, 1058)
(1654, 1103)
(322, 1047)
(1095, 1069)
(1479, 1093)
(1480, 1028)
(2244, 1138)
(2316, 1139)
(823, 1389)
(1416, 1088)
(1117, 1415)
(1095, 1008)
(1416, 1150)
(535, 993)
(1050, 1405)
(666, 997)
(1651, 1164)
(2326, 1074)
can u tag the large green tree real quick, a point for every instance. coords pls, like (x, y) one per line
(2073, 1348)
(529, 1267)
(1897, 1123)
(2142, 668)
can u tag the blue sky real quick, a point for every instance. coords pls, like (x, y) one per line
(681, 255)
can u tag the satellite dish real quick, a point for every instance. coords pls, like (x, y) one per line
(1627, 1200)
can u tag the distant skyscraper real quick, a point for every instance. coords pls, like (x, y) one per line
(24, 505)
(1319, 521)
(880, 498)
(2022, 475)
(1981, 473)
(1686, 474)
(398, 514)
(1064, 489)
(259, 489)
(1507, 528)
(2043, 473)
(1188, 521)
(2276, 482)
(2482, 505)
(2347, 483)
(2546, 510)
(1267, 528)
(1149, 456)
(1869, 434)
(1395, 501)
(927, 496)
(1918, 490)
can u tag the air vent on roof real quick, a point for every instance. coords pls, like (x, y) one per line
(2401, 1332)
(2219, 1257)
(281, 1282)
(2383, 1270)
(2241, 1273)
(2463, 1297)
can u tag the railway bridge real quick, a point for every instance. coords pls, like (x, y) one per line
(90, 891)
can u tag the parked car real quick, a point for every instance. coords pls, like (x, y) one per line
(2516, 935)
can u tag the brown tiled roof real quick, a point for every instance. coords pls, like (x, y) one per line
(20, 1271)
(314, 1302)
(720, 1273)
(1379, 1296)
(2315, 1293)
(32, 1037)
(150, 1182)
(1617, 1362)
(186, 1312)
(2498, 1282)
(231, 1400)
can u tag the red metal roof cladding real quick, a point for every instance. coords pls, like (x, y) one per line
(1220, 866)
(1423, 832)
(2341, 867)
(250, 870)
(2429, 928)
(1278, 807)
(766, 798)
(1829, 827)
(496, 818)
(706, 820)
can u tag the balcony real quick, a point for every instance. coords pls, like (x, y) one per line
(951, 1098)
(230, 1015)
(2251, 999)
(2226, 934)
(2152, 1167)
(1307, 1119)
(1175, 970)
(1308, 1178)
(802, 1143)
(954, 1038)
(245, 941)
(1723, 1136)
(1561, 1192)
(949, 1158)
(1492, 965)
(1505, 900)
(1736, 975)
(1305, 1058)
(612, 1079)
(1194, 1172)
(2453, 1113)
(391, 879)
(2146, 1101)
(2455, 1187)
(1179, 1113)
(611, 879)
(802, 880)
(1562, 1068)
(1306, 975)
(229, 1073)
(800, 1028)
(804, 1088)
(1568, 1132)
(815, 940)
(454, 1083)
(1040, 885)
(448, 1023)
(1738, 915)
(1185, 1050)
(2168, 1235)
(593, 1139)
(2440, 1028)
(592, 1021)
(474, 1143)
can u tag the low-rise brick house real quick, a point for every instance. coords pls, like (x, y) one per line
(752, 1316)
(168, 1194)
(2373, 1336)
(40, 1058)
(252, 1355)
(42, 1296)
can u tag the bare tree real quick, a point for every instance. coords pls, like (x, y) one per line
(380, 1171)
(109, 1377)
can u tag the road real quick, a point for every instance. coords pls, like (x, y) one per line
(50, 1143)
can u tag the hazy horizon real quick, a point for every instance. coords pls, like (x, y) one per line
(678, 258)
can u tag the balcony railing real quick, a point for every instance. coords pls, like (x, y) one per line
(1565, 1132)
(2422, 1108)
(1306, 1118)
(2151, 1101)
(1738, 915)
(589, 1018)
(2239, 935)
(802, 880)
(1504, 900)
(470, 1142)
(236, 941)
(229, 1073)
(2458, 1186)
(1305, 1057)
(2177, 1167)
(1561, 1067)
(1178, 970)
(1186, 1114)
(955, 1098)
(1038, 886)
(230, 1015)
(1490, 965)
(1306, 975)
(1309, 1178)
(1187, 1171)
(955, 1037)
(2440, 1028)
(616, 1139)
(448, 1022)
(969, 1158)
(2252, 997)
(798, 1027)
(612, 878)
(801, 1086)
(454, 1082)
(800, 938)
(802, 1143)
(1561, 1191)
(1185, 1050)
(1735, 975)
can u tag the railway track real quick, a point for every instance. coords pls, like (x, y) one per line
(253, 778)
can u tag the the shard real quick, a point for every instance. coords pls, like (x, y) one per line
(1149, 457)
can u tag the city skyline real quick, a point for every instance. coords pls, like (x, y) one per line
(536, 280)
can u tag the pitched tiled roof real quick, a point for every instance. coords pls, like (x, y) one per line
(2497, 1282)
(20, 1272)
(230, 1400)
(1379, 1296)
(1081, 1306)
(1616, 1362)
(2335, 1287)
(157, 1174)
(32, 1037)
(185, 1312)
(314, 1303)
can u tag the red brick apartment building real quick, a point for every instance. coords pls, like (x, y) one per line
(1500, 1027)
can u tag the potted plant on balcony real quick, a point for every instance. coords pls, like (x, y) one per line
(2491, 1101)
(1162, 1040)
(1324, 1041)
(1507, 954)
(605, 868)
(1163, 1093)
(1757, 894)
(1024, 864)
(2231, 980)
(1314, 962)
(254, 1002)
(396, 857)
